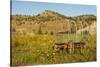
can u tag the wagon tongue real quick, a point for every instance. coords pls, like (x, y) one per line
(59, 43)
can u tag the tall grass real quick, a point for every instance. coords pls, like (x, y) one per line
(37, 49)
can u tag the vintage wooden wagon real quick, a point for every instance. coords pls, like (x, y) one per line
(70, 46)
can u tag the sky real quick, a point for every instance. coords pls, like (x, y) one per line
(34, 8)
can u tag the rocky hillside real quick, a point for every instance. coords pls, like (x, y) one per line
(50, 22)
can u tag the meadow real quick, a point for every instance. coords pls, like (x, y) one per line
(37, 49)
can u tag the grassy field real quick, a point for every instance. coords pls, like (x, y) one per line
(37, 49)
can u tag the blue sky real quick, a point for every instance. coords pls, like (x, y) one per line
(34, 8)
